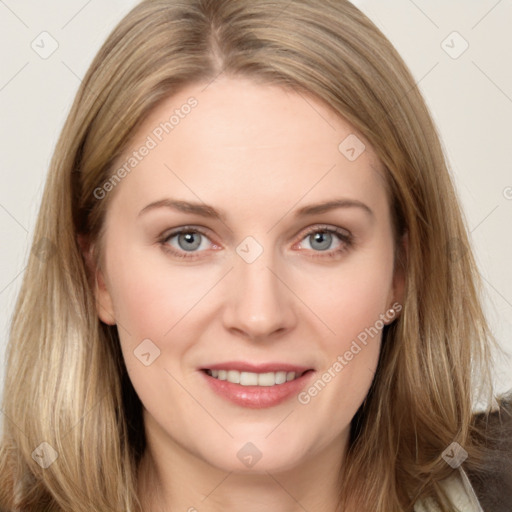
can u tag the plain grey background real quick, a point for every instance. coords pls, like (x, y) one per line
(459, 52)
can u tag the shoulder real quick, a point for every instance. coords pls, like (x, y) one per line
(491, 478)
(460, 493)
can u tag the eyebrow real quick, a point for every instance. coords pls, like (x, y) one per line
(205, 210)
(331, 205)
(186, 207)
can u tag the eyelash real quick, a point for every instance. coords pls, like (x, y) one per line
(346, 238)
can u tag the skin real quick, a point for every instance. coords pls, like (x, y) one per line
(258, 153)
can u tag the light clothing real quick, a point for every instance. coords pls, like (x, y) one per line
(459, 491)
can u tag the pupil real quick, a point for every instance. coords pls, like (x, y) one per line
(323, 240)
(189, 241)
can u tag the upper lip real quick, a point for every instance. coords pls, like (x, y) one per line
(242, 366)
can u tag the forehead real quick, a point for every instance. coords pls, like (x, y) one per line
(251, 143)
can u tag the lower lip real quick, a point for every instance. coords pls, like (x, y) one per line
(257, 397)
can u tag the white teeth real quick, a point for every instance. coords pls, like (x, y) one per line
(248, 379)
(254, 379)
(233, 376)
(280, 377)
(266, 379)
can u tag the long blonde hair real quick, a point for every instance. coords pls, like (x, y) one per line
(66, 383)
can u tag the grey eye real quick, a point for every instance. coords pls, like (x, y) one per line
(321, 240)
(189, 241)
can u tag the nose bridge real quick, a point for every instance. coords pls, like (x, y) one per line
(259, 304)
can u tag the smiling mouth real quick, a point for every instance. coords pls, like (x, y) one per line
(266, 379)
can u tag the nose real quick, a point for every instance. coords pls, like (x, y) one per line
(258, 305)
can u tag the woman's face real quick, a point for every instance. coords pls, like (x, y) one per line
(284, 264)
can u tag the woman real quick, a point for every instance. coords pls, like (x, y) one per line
(257, 290)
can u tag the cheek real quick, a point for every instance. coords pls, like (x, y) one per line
(150, 302)
(149, 295)
(351, 302)
(351, 297)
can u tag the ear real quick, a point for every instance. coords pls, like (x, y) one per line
(104, 303)
(399, 274)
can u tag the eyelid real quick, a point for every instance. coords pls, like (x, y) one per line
(163, 240)
(184, 229)
(325, 227)
(345, 236)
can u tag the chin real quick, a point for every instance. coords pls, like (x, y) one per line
(258, 456)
